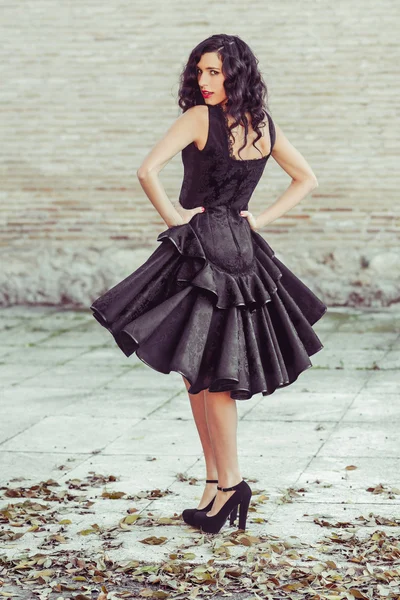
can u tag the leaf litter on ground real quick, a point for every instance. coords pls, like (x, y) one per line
(341, 565)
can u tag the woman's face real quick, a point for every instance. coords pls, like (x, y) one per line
(210, 78)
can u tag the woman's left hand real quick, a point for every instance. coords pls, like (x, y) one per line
(251, 219)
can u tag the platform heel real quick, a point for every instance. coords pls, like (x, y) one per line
(243, 510)
(242, 496)
(188, 513)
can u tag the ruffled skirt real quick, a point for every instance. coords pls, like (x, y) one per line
(245, 333)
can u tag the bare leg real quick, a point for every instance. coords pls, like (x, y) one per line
(221, 413)
(197, 402)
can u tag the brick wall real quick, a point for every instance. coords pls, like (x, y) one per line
(89, 87)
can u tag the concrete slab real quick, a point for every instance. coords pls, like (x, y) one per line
(19, 336)
(8, 323)
(363, 439)
(28, 468)
(374, 407)
(383, 382)
(355, 358)
(375, 322)
(345, 339)
(124, 403)
(28, 311)
(76, 339)
(12, 425)
(326, 380)
(32, 355)
(152, 435)
(12, 373)
(391, 360)
(68, 434)
(300, 407)
(104, 356)
(134, 474)
(298, 519)
(72, 377)
(369, 481)
(22, 401)
(291, 438)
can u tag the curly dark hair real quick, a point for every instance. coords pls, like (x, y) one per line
(245, 88)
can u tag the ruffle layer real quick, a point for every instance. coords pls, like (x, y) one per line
(251, 289)
(179, 312)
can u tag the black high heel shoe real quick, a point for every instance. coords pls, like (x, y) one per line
(188, 513)
(241, 497)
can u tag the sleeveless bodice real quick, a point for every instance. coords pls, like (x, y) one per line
(213, 176)
(223, 184)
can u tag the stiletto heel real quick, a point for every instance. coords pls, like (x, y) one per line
(214, 523)
(188, 513)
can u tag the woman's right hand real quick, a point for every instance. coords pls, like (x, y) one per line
(188, 213)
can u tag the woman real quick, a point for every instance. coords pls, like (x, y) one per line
(213, 302)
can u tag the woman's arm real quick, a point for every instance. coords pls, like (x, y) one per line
(182, 132)
(303, 179)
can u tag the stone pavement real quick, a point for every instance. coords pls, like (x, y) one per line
(75, 408)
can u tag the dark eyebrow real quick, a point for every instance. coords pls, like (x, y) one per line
(210, 68)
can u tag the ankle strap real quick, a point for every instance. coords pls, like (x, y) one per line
(228, 489)
(211, 480)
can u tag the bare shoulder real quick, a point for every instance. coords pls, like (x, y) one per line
(266, 141)
(199, 109)
(196, 112)
(197, 119)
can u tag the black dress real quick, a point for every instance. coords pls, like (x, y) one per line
(213, 302)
